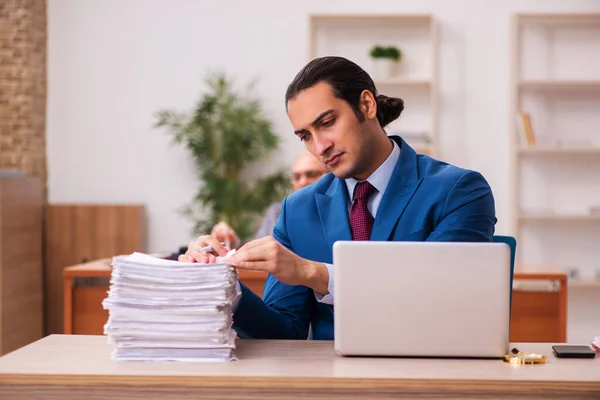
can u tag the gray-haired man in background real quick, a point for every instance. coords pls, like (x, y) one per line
(306, 169)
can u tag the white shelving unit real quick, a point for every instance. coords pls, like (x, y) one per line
(415, 81)
(556, 81)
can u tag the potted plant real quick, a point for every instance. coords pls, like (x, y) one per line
(225, 133)
(385, 59)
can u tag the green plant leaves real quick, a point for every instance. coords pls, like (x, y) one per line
(225, 132)
(392, 52)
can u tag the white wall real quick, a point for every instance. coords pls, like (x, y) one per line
(113, 63)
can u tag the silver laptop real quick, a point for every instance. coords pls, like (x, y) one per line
(422, 299)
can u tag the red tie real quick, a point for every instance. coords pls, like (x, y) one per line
(361, 221)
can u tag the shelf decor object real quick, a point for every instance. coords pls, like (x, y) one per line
(385, 61)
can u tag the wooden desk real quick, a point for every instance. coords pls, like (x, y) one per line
(539, 315)
(255, 280)
(83, 312)
(536, 316)
(76, 367)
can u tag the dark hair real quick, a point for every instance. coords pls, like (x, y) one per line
(348, 81)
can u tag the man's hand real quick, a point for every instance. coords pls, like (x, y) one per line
(194, 252)
(267, 254)
(225, 233)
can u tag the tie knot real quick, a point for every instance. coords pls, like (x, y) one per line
(363, 189)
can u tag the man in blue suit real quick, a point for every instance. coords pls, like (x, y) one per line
(377, 188)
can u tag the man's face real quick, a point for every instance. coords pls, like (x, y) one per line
(306, 170)
(330, 131)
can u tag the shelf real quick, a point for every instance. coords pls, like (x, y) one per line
(558, 85)
(558, 217)
(555, 150)
(354, 18)
(403, 82)
(584, 283)
(558, 17)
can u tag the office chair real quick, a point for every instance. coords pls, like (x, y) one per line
(512, 243)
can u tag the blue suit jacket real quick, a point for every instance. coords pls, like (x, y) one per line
(425, 200)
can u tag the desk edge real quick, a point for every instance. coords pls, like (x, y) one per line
(314, 383)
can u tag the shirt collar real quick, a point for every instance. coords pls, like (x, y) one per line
(381, 177)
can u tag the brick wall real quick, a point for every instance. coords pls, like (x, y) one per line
(23, 86)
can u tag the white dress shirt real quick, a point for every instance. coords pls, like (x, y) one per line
(379, 179)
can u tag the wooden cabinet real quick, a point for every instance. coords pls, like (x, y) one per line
(85, 287)
(255, 280)
(78, 233)
(539, 304)
(21, 256)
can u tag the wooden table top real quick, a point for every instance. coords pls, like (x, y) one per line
(539, 271)
(102, 269)
(78, 360)
(94, 269)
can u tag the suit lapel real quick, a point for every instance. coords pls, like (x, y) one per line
(333, 212)
(333, 204)
(403, 184)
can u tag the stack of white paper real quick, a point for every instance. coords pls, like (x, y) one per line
(169, 310)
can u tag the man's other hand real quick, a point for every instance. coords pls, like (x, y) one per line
(194, 252)
(225, 233)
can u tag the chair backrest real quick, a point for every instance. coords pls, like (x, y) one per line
(512, 243)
